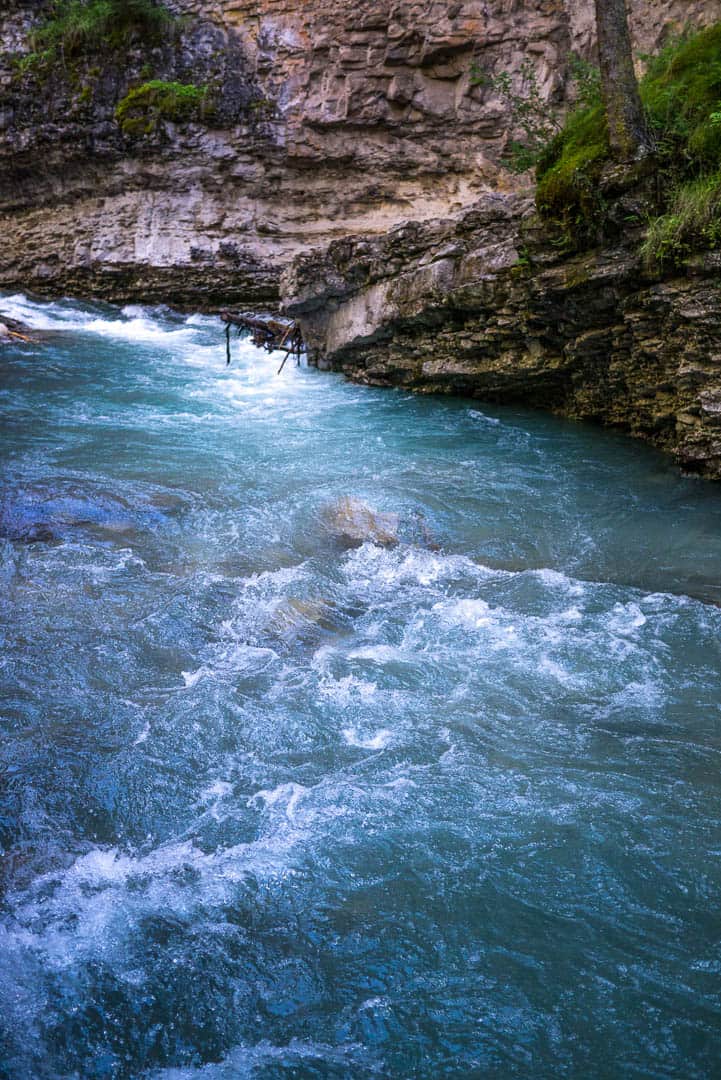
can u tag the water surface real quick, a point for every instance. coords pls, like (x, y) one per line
(273, 807)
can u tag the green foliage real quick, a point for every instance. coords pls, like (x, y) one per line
(569, 170)
(35, 61)
(692, 221)
(80, 26)
(681, 94)
(143, 108)
(587, 80)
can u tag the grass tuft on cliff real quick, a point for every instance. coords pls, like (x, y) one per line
(691, 223)
(681, 93)
(78, 26)
(145, 106)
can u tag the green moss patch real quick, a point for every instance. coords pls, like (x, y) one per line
(568, 172)
(681, 91)
(141, 110)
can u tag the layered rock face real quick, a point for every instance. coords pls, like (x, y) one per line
(335, 117)
(481, 305)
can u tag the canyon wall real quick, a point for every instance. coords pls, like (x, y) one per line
(335, 117)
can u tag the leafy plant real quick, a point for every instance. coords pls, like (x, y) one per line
(692, 221)
(33, 61)
(587, 80)
(530, 111)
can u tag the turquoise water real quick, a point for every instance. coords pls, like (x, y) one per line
(274, 807)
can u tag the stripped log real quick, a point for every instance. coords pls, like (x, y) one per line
(12, 330)
(270, 332)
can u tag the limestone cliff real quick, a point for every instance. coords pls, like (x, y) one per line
(335, 117)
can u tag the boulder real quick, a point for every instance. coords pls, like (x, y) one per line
(351, 523)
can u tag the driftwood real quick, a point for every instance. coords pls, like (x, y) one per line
(270, 332)
(12, 330)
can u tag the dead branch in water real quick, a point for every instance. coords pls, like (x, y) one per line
(270, 332)
(12, 330)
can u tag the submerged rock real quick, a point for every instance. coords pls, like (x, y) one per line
(37, 532)
(304, 621)
(351, 523)
(50, 513)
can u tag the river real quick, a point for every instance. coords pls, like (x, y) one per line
(274, 806)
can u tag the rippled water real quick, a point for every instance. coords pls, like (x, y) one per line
(273, 807)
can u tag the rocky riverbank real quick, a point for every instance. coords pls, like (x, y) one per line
(484, 305)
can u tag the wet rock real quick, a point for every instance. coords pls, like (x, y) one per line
(303, 621)
(29, 533)
(11, 331)
(47, 513)
(351, 523)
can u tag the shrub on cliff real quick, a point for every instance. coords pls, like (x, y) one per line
(681, 94)
(529, 109)
(141, 110)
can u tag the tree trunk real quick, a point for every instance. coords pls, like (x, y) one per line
(627, 132)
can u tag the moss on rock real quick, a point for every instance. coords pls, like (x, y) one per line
(141, 110)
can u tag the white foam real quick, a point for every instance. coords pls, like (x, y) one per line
(192, 678)
(89, 908)
(135, 323)
(497, 625)
(626, 619)
(476, 414)
(345, 690)
(219, 789)
(139, 330)
(377, 654)
(379, 741)
(285, 797)
(547, 666)
(244, 1061)
(143, 736)
(554, 579)
(370, 564)
(42, 316)
(469, 612)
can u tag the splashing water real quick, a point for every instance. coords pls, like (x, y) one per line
(273, 806)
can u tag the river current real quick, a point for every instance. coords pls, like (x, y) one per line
(273, 806)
